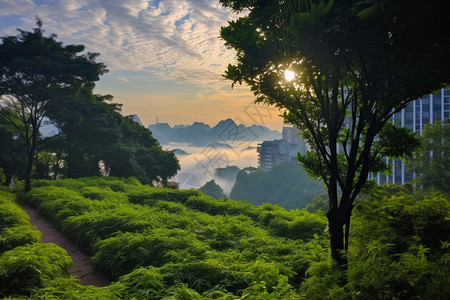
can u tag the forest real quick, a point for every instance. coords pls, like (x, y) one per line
(104, 180)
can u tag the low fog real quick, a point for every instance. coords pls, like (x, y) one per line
(199, 165)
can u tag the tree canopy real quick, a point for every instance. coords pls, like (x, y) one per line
(211, 188)
(36, 69)
(42, 78)
(352, 65)
(432, 165)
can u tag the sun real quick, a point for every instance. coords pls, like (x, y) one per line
(289, 75)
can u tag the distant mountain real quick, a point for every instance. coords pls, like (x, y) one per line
(224, 134)
(136, 119)
(180, 151)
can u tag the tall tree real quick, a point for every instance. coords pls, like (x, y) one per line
(340, 69)
(123, 147)
(34, 70)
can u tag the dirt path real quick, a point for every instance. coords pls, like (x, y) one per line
(81, 267)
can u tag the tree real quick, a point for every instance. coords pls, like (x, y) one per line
(432, 166)
(212, 189)
(339, 70)
(35, 70)
(12, 156)
(123, 147)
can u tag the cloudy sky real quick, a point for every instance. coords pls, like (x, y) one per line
(165, 57)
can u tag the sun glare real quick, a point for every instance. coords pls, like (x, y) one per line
(289, 75)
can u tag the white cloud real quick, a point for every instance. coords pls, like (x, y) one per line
(172, 39)
(15, 7)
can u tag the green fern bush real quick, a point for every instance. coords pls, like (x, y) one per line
(25, 268)
(15, 229)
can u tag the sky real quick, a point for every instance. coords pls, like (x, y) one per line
(165, 57)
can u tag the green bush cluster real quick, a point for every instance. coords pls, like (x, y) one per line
(169, 244)
(26, 267)
(399, 249)
(179, 242)
(29, 269)
(15, 227)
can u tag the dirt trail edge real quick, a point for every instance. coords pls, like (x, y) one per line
(81, 267)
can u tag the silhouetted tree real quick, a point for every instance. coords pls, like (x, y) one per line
(351, 66)
(36, 69)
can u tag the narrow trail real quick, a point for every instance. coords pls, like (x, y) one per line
(81, 267)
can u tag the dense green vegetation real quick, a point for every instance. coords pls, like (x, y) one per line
(352, 65)
(158, 243)
(30, 268)
(287, 185)
(211, 188)
(56, 86)
(433, 163)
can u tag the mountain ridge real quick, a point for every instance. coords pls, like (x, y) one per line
(201, 134)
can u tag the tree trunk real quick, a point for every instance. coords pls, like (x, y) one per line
(30, 155)
(28, 174)
(336, 222)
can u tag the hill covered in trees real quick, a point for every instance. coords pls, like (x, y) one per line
(287, 185)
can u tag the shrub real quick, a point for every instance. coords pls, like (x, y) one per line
(12, 215)
(120, 254)
(12, 237)
(148, 195)
(221, 206)
(70, 288)
(86, 229)
(25, 268)
(142, 283)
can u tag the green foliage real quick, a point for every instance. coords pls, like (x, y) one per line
(432, 165)
(25, 268)
(121, 146)
(142, 283)
(198, 247)
(49, 72)
(69, 288)
(89, 227)
(211, 188)
(287, 185)
(15, 236)
(223, 206)
(12, 215)
(188, 243)
(2, 176)
(355, 64)
(12, 154)
(149, 195)
(15, 229)
(319, 202)
(228, 173)
(120, 254)
(298, 224)
(400, 248)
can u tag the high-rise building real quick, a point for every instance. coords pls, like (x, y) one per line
(427, 109)
(272, 153)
